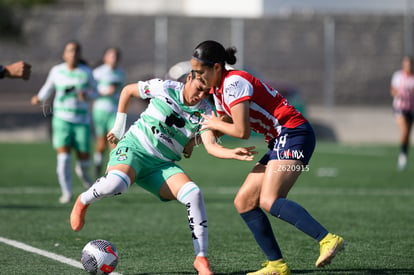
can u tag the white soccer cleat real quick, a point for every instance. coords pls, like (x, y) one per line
(65, 198)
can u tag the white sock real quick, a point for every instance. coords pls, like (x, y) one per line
(82, 170)
(114, 183)
(190, 195)
(63, 173)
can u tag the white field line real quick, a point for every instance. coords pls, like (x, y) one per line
(44, 253)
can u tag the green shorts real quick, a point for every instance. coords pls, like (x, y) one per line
(103, 122)
(151, 172)
(75, 135)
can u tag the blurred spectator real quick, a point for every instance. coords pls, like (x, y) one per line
(74, 86)
(110, 79)
(402, 90)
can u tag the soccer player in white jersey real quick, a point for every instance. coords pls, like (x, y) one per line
(110, 79)
(402, 91)
(74, 87)
(247, 104)
(148, 152)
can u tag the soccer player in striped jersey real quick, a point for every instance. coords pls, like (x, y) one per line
(245, 103)
(402, 91)
(74, 87)
(148, 152)
(110, 79)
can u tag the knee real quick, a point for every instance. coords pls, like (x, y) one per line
(266, 205)
(114, 183)
(266, 202)
(245, 203)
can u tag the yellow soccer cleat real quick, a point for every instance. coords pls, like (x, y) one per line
(329, 247)
(278, 267)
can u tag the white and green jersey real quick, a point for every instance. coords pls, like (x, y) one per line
(67, 84)
(105, 76)
(167, 124)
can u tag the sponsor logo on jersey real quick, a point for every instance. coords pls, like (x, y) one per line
(195, 117)
(232, 88)
(291, 154)
(122, 157)
(147, 89)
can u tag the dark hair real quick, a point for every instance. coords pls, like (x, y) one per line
(118, 55)
(76, 43)
(409, 57)
(78, 49)
(210, 52)
(117, 51)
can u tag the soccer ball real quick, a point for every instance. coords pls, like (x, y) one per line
(99, 257)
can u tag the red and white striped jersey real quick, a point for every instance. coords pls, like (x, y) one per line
(404, 84)
(269, 110)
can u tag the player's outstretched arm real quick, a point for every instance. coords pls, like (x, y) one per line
(215, 149)
(129, 91)
(238, 127)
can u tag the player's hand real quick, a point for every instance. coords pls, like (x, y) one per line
(210, 122)
(112, 138)
(188, 150)
(244, 153)
(18, 69)
(82, 96)
(112, 89)
(34, 100)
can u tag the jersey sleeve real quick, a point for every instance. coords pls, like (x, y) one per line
(237, 89)
(150, 88)
(48, 87)
(394, 80)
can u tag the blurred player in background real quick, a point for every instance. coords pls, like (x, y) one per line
(245, 103)
(110, 79)
(402, 90)
(19, 69)
(147, 153)
(74, 86)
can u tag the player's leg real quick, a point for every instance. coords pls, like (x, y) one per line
(100, 147)
(404, 124)
(63, 171)
(180, 187)
(82, 144)
(61, 139)
(247, 204)
(273, 199)
(102, 123)
(115, 182)
(82, 167)
(121, 171)
(287, 160)
(279, 178)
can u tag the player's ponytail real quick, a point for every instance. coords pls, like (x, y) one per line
(231, 55)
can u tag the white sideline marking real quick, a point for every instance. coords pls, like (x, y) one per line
(45, 253)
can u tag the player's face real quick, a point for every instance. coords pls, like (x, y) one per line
(111, 57)
(210, 76)
(407, 65)
(71, 55)
(194, 91)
